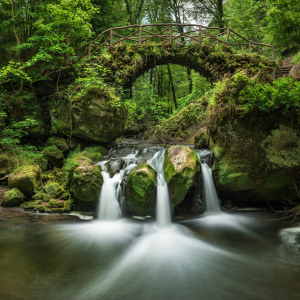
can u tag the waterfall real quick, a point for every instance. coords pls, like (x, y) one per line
(111, 192)
(210, 193)
(163, 210)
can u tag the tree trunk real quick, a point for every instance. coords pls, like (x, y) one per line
(189, 74)
(172, 87)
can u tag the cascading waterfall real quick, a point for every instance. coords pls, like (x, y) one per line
(210, 193)
(111, 192)
(163, 210)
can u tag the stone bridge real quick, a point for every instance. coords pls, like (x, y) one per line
(127, 52)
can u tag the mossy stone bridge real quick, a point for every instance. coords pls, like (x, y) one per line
(129, 51)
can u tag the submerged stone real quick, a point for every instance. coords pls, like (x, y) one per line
(140, 191)
(181, 170)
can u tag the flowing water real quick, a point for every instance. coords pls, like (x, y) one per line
(214, 256)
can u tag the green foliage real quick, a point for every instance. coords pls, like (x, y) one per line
(283, 147)
(12, 133)
(244, 17)
(296, 59)
(282, 22)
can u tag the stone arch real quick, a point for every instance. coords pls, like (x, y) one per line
(128, 62)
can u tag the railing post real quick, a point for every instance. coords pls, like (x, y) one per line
(90, 49)
(111, 37)
(273, 52)
(170, 35)
(227, 37)
(200, 33)
(140, 35)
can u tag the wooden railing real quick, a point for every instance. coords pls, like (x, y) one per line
(174, 34)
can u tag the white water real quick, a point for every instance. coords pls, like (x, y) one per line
(210, 193)
(163, 210)
(111, 191)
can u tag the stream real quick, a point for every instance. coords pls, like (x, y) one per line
(216, 255)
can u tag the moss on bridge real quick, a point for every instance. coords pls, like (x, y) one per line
(213, 62)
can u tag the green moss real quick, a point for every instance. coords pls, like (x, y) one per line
(59, 142)
(140, 191)
(181, 168)
(86, 183)
(13, 197)
(94, 156)
(26, 179)
(97, 149)
(40, 208)
(55, 204)
(31, 204)
(53, 151)
(52, 190)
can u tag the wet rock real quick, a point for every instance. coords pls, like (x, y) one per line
(290, 241)
(181, 170)
(114, 166)
(140, 191)
(26, 179)
(13, 197)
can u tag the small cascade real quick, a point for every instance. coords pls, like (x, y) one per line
(210, 193)
(163, 210)
(112, 193)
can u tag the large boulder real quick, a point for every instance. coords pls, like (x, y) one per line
(86, 181)
(13, 197)
(181, 170)
(141, 191)
(26, 179)
(97, 116)
(295, 72)
(255, 158)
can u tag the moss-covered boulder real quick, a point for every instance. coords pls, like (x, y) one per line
(256, 158)
(54, 155)
(85, 181)
(140, 191)
(255, 138)
(26, 179)
(97, 116)
(52, 190)
(13, 197)
(59, 142)
(181, 170)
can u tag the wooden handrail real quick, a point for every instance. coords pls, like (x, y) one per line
(201, 33)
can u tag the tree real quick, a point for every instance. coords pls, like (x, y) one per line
(282, 22)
